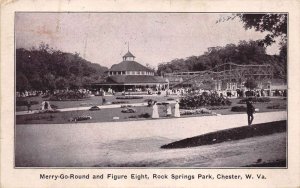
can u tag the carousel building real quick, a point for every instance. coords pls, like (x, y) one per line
(130, 75)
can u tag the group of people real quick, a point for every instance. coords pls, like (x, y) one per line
(155, 114)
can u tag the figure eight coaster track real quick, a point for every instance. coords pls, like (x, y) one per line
(227, 73)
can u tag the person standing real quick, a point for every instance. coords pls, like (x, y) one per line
(177, 113)
(46, 105)
(169, 110)
(28, 106)
(155, 111)
(250, 111)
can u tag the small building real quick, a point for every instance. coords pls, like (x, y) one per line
(131, 76)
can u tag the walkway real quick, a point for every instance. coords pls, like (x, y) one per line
(138, 143)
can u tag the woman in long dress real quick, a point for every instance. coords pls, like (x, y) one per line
(169, 110)
(155, 111)
(177, 113)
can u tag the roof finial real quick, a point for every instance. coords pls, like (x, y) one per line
(128, 46)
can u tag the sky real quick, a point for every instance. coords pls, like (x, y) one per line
(153, 37)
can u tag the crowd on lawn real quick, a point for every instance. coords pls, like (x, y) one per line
(48, 92)
(239, 93)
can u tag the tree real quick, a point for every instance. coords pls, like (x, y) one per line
(36, 82)
(49, 82)
(250, 84)
(151, 68)
(48, 69)
(274, 24)
(22, 83)
(61, 83)
(75, 83)
(244, 53)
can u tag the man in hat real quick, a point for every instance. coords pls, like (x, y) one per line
(28, 104)
(250, 111)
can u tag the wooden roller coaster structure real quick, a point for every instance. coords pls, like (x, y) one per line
(228, 73)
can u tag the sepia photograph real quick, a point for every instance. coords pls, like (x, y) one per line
(151, 90)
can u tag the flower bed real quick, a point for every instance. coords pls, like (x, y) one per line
(143, 115)
(80, 118)
(128, 110)
(130, 97)
(239, 109)
(218, 107)
(119, 102)
(255, 100)
(195, 111)
(94, 108)
(205, 99)
(162, 103)
(137, 93)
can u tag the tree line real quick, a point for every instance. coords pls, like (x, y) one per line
(252, 52)
(244, 53)
(48, 69)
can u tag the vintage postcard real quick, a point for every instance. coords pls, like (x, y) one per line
(181, 94)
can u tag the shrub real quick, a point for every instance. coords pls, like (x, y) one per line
(128, 110)
(150, 102)
(239, 109)
(94, 108)
(255, 100)
(205, 99)
(170, 99)
(143, 115)
(53, 106)
(125, 106)
(162, 103)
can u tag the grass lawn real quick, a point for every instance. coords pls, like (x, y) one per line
(92, 101)
(229, 135)
(106, 115)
